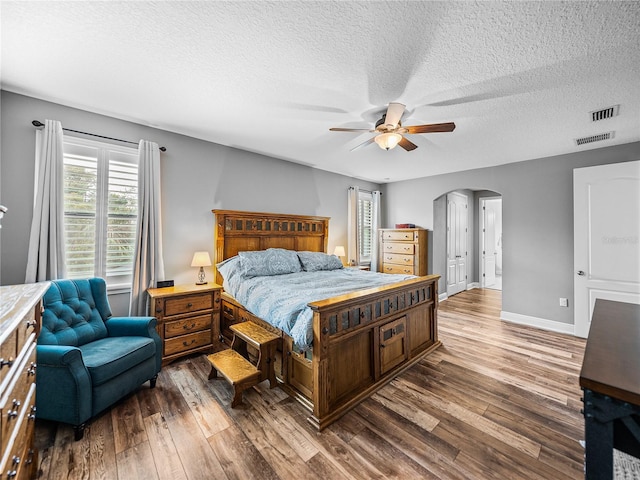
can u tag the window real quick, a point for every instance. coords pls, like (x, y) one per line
(365, 226)
(100, 210)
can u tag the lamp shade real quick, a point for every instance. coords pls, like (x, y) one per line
(201, 259)
(387, 141)
(339, 251)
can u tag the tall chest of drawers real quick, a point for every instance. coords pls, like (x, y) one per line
(20, 320)
(188, 318)
(403, 250)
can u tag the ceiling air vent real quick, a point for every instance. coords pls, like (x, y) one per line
(594, 138)
(605, 113)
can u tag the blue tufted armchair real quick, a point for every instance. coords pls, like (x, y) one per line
(87, 359)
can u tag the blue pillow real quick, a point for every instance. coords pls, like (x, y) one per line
(273, 261)
(314, 261)
(229, 269)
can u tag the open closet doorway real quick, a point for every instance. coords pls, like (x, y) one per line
(490, 242)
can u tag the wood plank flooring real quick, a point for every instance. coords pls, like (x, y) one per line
(496, 401)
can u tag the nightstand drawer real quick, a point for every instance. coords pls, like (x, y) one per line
(187, 325)
(188, 304)
(188, 342)
(392, 268)
(398, 258)
(390, 247)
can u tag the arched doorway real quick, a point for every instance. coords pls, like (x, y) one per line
(458, 240)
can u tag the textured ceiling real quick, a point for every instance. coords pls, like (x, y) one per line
(518, 78)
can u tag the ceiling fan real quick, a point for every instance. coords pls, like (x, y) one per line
(390, 131)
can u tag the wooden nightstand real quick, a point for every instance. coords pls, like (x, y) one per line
(188, 318)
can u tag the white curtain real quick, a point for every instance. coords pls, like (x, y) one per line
(375, 225)
(45, 260)
(148, 264)
(353, 251)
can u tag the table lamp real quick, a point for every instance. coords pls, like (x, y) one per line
(339, 252)
(201, 259)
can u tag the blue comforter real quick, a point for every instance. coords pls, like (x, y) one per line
(282, 300)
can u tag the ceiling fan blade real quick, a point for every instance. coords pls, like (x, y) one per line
(364, 144)
(394, 113)
(407, 145)
(338, 129)
(431, 128)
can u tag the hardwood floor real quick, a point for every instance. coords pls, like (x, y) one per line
(497, 400)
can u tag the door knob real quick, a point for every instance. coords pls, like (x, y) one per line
(581, 273)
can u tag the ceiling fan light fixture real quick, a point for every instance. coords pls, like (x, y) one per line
(387, 141)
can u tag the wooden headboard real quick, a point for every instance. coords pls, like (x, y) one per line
(236, 231)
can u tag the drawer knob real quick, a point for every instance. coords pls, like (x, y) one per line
(16, 403)
(189, 305)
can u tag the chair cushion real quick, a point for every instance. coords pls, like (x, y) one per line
(74, 313)
(109, 357)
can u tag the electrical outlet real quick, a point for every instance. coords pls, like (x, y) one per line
(564, 302)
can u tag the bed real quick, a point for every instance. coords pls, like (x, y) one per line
(357, 341)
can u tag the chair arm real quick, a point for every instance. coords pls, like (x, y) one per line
(63, 384)
(58, 356)
(139, 327)
(131, 326)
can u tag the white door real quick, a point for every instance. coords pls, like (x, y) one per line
(457, 224)
(606, 236)
(488, 244)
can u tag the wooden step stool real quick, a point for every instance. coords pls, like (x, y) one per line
(234, 366)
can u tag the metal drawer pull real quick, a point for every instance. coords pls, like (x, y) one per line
(189, 305)
(4, 362)
(187, 327)
(14, 463)
(190, 343)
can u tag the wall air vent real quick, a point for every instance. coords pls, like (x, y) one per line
(594, 138)
(605, 113)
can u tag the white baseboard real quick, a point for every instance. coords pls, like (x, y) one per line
(473, 285)
(442, 296)
(542, 323)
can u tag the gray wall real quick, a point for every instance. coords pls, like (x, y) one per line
(197, 176)
(537, 216)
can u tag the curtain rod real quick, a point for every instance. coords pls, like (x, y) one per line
(38, 123)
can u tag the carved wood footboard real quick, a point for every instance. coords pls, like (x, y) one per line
(361, 340)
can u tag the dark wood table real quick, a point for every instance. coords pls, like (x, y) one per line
(610, 378)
